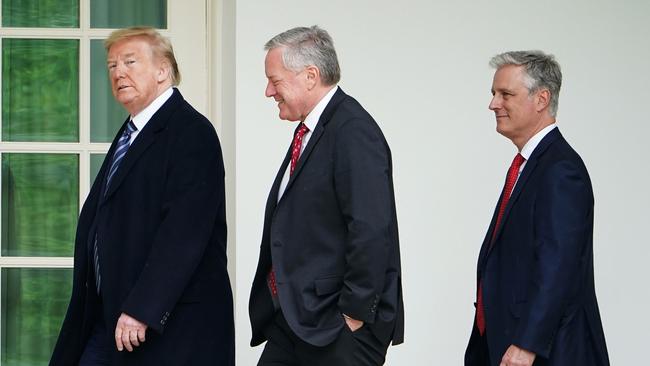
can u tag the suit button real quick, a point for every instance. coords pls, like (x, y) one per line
(277, 243)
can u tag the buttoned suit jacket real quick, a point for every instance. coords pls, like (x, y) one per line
(538, 275)
(332, 238)
(161, 235)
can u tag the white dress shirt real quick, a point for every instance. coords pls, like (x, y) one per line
(140, 120)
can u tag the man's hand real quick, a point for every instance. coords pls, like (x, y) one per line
(129, 333)
(353, 324)
(516, 356)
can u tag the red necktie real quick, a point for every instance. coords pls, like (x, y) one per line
(511, 179)
(296, 146)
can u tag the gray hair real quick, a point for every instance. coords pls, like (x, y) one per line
(305, 46)
(541, 72)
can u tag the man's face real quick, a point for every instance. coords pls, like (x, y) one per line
(288, 88)
(515, 110)
(135, 74)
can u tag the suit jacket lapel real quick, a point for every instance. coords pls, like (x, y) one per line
(488, 242)
(325, 117)
(526, 173)
(275, 188)
(521, 182)
(313, 140)
(486, 246)
(145, 138)
(100, 180)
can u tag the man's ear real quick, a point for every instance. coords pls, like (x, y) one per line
(164, 71)
(542, 99)
(313, 76)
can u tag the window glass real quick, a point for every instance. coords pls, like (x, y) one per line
(96, 161)
(128, 13)
(40, 204)
(40, 13)
(40, 90)
(34, 302)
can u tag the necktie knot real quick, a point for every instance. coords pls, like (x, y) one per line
(296, 146)
(517, 161)
(130, 128)
(511, 179)
(302, 130)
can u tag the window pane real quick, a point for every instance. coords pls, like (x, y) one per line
(40, 204)
(96, 161)
(34, 302)
(39, 13)
(128, 13)
(40, 90)
(106, 114)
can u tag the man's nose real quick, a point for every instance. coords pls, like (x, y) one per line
(495, 103)
(118, 71)
(270, 89)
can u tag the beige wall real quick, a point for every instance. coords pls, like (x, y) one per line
(420, 67)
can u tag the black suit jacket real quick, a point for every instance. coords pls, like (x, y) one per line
(332, 237)
(161, 234)
(538, 276)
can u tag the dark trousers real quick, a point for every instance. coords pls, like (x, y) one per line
(99, 346)
(285, 348)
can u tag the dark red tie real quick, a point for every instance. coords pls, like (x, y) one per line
(296, 146)
(511, 179)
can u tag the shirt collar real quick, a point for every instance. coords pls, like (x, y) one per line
(535, 140)
(312, 118)
(141, 119)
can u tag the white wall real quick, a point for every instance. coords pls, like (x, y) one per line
(420, 68)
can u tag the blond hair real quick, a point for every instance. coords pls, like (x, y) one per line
(161, 46)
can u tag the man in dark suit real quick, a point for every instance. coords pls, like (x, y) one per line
(328, 285)
(150, 284)
(536, 302)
